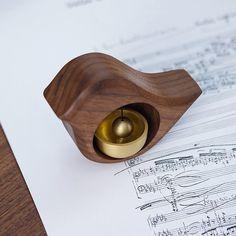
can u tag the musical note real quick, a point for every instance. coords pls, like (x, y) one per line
(186, 184)
(183, 188)
(205, 50)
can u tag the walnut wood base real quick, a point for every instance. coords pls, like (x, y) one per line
(18, 214)
(91, 86)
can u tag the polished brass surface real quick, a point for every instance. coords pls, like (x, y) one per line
(122, 127)
(121, 135)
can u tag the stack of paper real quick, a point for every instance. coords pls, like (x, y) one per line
(186, 184)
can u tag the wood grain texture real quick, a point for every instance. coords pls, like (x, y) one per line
(93, 85)
(18, 214)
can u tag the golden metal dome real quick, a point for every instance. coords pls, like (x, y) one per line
(122, 127)
(122, 133)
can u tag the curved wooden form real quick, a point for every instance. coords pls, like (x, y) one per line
(91, 86)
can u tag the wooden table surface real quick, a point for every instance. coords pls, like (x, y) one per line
(18, 214)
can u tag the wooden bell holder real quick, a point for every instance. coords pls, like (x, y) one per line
(90, 87)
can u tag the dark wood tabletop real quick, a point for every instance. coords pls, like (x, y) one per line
(18, 214)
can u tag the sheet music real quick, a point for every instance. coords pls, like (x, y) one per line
(206, 49)
(188, 187)
(185, 185)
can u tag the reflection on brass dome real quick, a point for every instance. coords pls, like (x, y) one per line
(122, 127)
(122, 134)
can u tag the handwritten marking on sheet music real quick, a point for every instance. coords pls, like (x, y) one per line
(205, 50)
(79, 3)
(200, 183)
(218, 224)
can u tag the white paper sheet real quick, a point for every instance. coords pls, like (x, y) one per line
(186, 184)
(75, 196)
